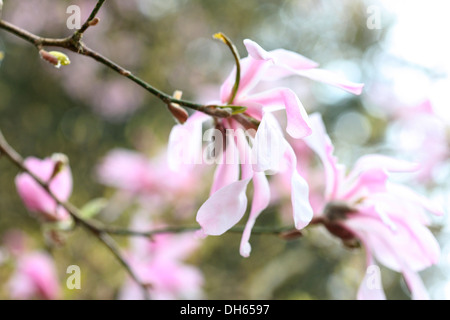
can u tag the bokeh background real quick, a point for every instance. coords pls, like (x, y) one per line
(85, 110)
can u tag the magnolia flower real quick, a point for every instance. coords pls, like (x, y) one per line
(389, 219)
(160, 263)
(240, 164)
(35, 277)
(56, 173)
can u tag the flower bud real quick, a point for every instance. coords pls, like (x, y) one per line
(94, 22)
(56, 58)
(180, 114)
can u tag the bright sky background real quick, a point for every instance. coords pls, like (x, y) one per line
(421, 36)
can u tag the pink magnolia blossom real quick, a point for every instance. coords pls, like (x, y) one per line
(35, 277)
(160, 263)
(35, 197)
(419, 128)
(227, 203)
(389, 219)
(149, 180)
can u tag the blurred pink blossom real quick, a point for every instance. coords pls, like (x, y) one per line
(389, 219)
(423, 137)
(149, 179)
(59, 179)
(35, 275)
(160, 263)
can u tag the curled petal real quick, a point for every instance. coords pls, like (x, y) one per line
(261, 199)
(298, 125)
(224, 208)
(321, 144)
(301, 207)
(290, 61)
(287, 63)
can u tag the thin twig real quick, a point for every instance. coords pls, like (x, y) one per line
(74, 44)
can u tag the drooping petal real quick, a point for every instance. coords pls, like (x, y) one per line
(227, 170)
(261, 199)
(269, 145)
(321, 144)
(371, 287)
(298, 124)
(301, 206)
(224, 208)
(415, 285)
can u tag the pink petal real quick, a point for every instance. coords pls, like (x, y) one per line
(252, 72)
(245, 152)
(125, 169)
(371, 287)
(415, 285)
(261, 199)
(224, 208)
(415, 198)
(377, 161)
(289, 63)
(410, 246)
(333, 79)
(226, 173)
(368, 182)
(185, 143)
(36, 276)
(268, 146)
(298, 125)
(321, 144)
(301, 206)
